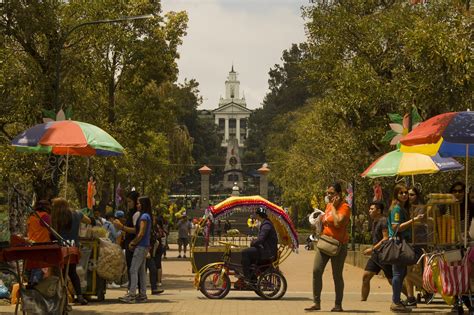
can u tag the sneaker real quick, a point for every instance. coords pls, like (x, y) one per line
(429, 297)
(124, 285)
(410, 302)
(399, 308)
(113, 285)
(179, 256)
(81, 300)
(156, 292)
(128, 298)
(141, 298)
(184, 256)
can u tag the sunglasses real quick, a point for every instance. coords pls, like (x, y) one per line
(411, 194)
(458, 190)
(403, 193)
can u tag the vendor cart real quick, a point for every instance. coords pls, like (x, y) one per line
(439, 234)
(46, 255)
(96, 286)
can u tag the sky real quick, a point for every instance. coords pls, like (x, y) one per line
(250, 34)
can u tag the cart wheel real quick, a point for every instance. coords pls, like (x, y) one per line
(214, 284)
(271, 285)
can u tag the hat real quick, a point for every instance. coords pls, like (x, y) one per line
(119, 214)
(261, 211)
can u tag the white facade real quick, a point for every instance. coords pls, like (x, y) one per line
(232, 114)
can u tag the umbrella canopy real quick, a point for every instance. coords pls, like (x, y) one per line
(67, 137)
(451, 134)
(404, 164)
(448, 134)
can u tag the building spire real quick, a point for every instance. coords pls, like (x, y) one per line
(232, 70)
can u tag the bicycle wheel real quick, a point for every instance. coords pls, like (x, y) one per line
(271, 285)
(215, 284)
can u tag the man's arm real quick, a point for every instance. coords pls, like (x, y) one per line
(370, 250)
(262, 235)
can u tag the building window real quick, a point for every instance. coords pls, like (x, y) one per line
(221, 123)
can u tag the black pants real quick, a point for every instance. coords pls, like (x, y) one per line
(249, 256)
(76, 282)
(153, 264)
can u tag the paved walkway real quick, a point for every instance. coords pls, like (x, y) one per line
(181, 298)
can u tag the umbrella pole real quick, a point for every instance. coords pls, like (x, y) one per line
(466, 216)
(65, 177)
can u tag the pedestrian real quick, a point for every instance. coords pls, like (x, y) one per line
(379, 235)
(66, 222)
(458, 189)
(184, 232)
(39, 233)
(420, 233)
(335, 222)
(153, 261)
(139, 245)
(399, 224)
(109, 227)
(129, 228)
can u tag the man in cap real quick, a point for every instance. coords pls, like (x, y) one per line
(265, 247)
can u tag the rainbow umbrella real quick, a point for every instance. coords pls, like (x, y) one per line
(405, 164)
(67, 137)
(449, 134)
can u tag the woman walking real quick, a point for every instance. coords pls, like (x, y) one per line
(335, 221)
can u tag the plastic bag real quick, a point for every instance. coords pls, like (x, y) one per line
(111, 260)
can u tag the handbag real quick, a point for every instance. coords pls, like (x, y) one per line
(328, 245)
(396, 251)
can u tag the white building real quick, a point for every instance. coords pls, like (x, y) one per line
(232, 114)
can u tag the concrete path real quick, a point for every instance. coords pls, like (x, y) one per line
(181, 298)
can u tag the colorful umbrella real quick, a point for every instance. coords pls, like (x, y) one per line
(67, 137)
(451, 134)
(404, 164)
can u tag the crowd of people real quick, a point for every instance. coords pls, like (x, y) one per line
(141, 231)
(142, 234)
(406, 211)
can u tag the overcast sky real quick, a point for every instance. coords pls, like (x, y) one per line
(251, 34)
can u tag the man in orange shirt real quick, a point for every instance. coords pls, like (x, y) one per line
(39, 233)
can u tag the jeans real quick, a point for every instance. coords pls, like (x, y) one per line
(399, 273)
(337, 264)
(138, 271)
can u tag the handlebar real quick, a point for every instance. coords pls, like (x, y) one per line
(228, 244)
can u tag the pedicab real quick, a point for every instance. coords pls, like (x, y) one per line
(216, 260)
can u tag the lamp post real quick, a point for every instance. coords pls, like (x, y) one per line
(63, 39)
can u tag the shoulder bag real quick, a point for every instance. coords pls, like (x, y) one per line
(328, 245)
(396, 251)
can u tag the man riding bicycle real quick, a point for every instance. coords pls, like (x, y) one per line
(265, 247)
